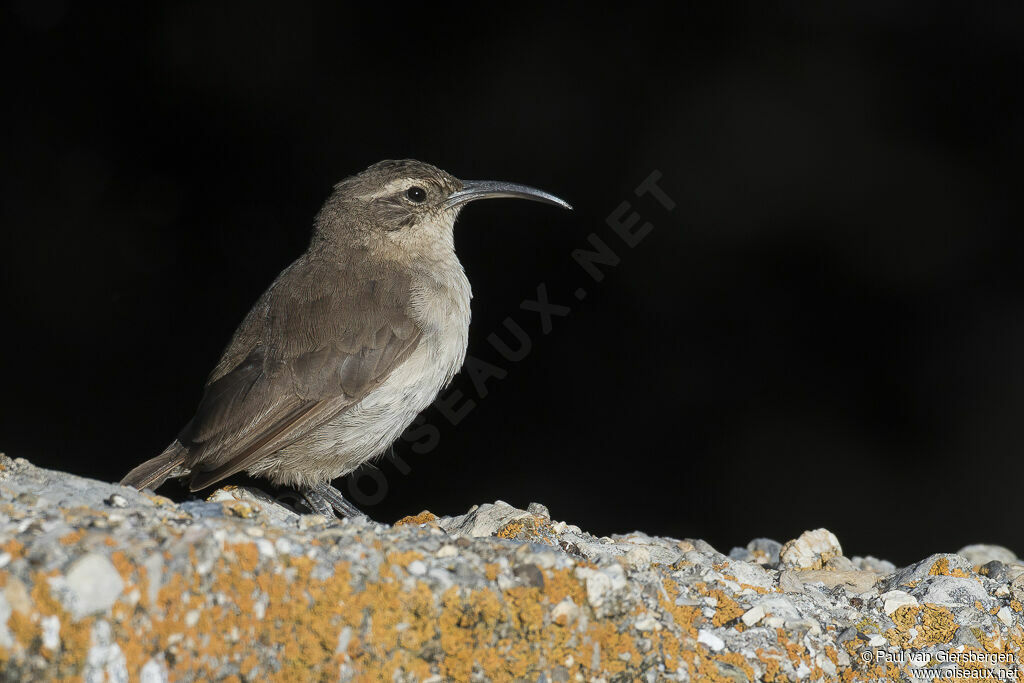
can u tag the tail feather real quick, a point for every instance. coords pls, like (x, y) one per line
(154, 472)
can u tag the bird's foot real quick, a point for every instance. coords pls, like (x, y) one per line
(324, 499)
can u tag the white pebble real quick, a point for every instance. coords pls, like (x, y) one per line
(753, 615)
(95, 583)
(710, 639)
(51, 632)
(647, 622)
(895, 599)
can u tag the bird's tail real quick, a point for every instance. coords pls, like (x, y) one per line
(154, 472)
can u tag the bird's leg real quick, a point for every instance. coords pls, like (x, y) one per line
(317, 504)
(331, 496)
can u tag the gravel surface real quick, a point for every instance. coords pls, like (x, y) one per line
(101, 582)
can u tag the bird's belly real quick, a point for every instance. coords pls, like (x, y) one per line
(368, 428)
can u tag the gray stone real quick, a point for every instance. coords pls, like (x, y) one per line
(953, 591)
(538, 509)
(482, 521)
(93, 584)
(982, 553)
(873, 564)
(854, 581)
(763, 551)
(920, 571)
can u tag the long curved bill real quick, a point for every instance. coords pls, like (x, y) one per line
(492, 189)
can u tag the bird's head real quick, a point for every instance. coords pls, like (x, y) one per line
(410, 202)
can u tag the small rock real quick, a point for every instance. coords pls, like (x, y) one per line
(601, 583)
(417, 568)
(893, 600)
(50, 632)
(933, 565)
(17, 595)
(530, 574)
(710, 639)
(647, 622)
(638, 558)
(481, 521)
(105, 661)
(825, 664)
(94, 583)
(153, 671)
(344, 638)
(753, 615)
(116, 500)
(811, 550)
(854, 581)
(981, 553)
(539, 509)
(307, 522)
(873, 564)
(202, 509)
(27, 499)
(565, 612)
(953, 591)
(764, 551)
(741, 554)
(1017, 588)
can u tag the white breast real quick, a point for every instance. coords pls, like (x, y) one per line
(440, 307)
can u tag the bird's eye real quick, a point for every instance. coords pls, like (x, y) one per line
(416, 194)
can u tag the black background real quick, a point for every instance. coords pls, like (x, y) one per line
(827, 330)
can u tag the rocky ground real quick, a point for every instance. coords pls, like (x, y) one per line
(100, 583)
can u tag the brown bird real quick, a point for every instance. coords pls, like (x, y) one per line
(346, 347)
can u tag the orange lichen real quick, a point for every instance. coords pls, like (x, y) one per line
(403, 559)
(772, 670)
(562, 583)
(424, 517)
(938, 625)
(23, 628)
(73, 537)
(685, 616)
(726, 610)
(531, 528)
(511, 530)
(125, 567)
(941, 568)
(240, 509)
(905, 617)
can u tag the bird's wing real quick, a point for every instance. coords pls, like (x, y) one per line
(316, 342)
